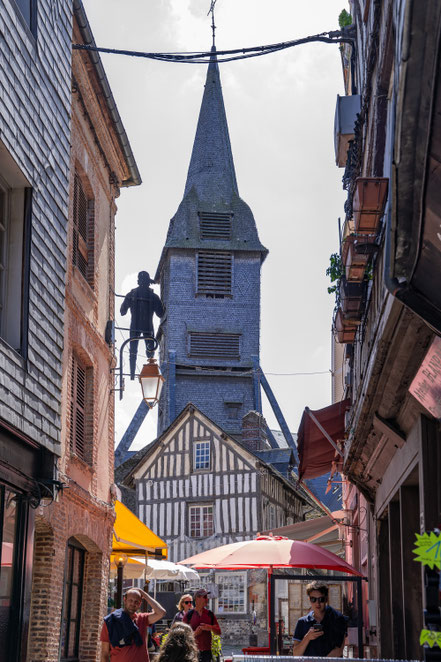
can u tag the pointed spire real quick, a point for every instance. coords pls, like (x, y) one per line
(211, 171)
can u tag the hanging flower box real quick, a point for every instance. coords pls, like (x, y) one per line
(368, 203)
(345, 330)
(359, 253)
(352, 298)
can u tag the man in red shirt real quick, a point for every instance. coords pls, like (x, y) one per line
(124, 632)
(203, 622)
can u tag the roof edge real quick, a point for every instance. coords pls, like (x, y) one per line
(87, 35)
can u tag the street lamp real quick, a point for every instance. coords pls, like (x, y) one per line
(151, 382)
(120, 561)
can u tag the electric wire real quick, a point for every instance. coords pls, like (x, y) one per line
(201, 57)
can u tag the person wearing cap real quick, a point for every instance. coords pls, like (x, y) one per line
(143, 303)
(203, 623)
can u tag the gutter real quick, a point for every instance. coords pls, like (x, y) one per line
(86, 34)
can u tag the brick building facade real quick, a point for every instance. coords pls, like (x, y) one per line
(77, 528)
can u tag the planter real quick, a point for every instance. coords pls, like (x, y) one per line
(368, 203)
(345, 330)
(358, 256)
(352, 297)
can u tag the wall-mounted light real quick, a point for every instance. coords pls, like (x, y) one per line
(151, 381)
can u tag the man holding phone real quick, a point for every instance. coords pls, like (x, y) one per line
(321, 633)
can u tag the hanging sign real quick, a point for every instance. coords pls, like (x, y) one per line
(431, 638)
(428, 549)
(426, 387)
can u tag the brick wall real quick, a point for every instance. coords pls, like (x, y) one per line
(35, 80)
(91, 524)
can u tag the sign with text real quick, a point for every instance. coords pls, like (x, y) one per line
(426, 387)
(428, 549)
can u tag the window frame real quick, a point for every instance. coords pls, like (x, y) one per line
(32, 23)
(196, 444)
(200, 507)
(219, 577)
(17, 210)
(67, 586)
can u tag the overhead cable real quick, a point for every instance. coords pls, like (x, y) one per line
(193, 57)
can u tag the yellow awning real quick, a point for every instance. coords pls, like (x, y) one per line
(131, 536)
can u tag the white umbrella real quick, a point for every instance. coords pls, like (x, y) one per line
(166, 570)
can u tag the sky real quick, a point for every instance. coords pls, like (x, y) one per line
(280, 111)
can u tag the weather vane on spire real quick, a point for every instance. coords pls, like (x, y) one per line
(213, 27)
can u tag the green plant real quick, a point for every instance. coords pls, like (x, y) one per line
(335, 271)
(344, 19)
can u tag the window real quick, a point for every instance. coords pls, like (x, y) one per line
(214, 273)
(233, 410)
(232, 593)
(201, 521)
(216, 345)
(15, 231)
(28, 11)
(83, 231)
(81, 410)
(73, 590)
(201, 457)
(215, 226)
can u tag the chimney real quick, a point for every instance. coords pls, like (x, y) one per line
(254, 432)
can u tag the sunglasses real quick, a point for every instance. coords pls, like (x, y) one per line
(320, 600)
(187, 602)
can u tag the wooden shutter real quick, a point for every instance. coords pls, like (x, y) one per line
(214, 272)
(83, 231)
(216, 345)
(78, 409)
(214, 225)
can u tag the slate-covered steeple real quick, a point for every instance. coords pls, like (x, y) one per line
(210, 281)
(211, 170)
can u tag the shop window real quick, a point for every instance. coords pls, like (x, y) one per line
(201, 455)
(83, 231)
(72, 600)
(81, 410)
(15, 230)
(201, 521)
(231, 593)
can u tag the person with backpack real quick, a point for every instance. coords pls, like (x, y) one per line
(203, 623)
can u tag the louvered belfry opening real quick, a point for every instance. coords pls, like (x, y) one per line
(80, 410)
(215, 273)
(214, 225)
(215, 345)
(83, 231)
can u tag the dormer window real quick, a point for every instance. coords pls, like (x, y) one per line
(214, 273)
(213, 225)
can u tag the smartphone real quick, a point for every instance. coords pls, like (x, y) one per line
(318, 627)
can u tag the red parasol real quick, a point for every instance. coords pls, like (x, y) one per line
(270, 552)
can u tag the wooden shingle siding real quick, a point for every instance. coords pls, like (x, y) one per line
(35, 102)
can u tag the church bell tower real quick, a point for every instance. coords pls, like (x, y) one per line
(209, 273)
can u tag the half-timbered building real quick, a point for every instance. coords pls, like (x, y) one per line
(199, 488)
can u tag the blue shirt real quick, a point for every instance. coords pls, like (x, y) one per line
(334, 632)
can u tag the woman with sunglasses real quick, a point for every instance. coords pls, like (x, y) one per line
(322, 631)
(184, 604)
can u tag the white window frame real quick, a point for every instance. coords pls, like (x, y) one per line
(200, 507)
(224, 578)
(197, 445)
